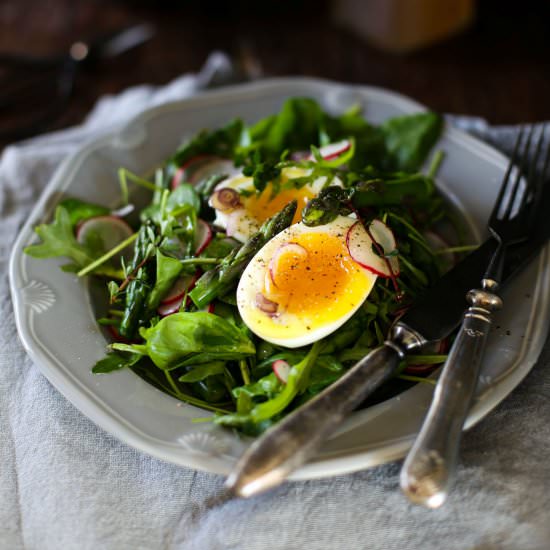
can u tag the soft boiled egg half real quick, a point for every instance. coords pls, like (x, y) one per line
(308, 281)
(240, 210)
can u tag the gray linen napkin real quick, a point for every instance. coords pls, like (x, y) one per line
(64, 483)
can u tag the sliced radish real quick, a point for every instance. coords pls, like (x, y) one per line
(362, 248)
(438, 348)
(180, 287)
(203, 236)
(287, 249)
(113, 331)
(333, 150)
(217, 166)
(201, 167)
(110, 229)
(123, 211)
(172, 307)
(300, 155)
(281, 369)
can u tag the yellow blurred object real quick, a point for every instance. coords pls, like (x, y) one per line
(404, 25)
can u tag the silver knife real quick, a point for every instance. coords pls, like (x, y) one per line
(291, 442)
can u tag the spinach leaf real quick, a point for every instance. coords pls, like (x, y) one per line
(220, 247)
(115, 361)
(267, 386)
(167, 271)
(296, 126)
(409, 139)
(220, 142)
(370, 147)
(200, 372)
(193, 338)
(183, 195)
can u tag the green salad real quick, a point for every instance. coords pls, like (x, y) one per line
(270, 257)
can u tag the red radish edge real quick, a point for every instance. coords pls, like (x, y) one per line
(281, 369)
(180, 287)
(424, 368)
(203, 236)
(221, 164)
(333, 150)
(170, 308)
(116, 335)
(178, 174)
(381, 272)
(199, 159)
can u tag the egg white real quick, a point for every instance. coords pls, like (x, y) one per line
(295, 330)
(239, 223)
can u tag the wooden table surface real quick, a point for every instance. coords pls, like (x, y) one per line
(498, 69)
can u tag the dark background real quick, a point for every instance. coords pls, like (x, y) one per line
(499, 68)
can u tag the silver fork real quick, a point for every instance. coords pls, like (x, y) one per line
(430, 465)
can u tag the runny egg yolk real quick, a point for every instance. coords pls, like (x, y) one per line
(264, 206)
(315, 277)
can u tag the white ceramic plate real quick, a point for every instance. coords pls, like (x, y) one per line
(56, 321)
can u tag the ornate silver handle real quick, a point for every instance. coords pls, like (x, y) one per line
(430, 465)
(286, 446)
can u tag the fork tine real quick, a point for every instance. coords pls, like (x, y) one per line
(537, 194)
(520, 171)
(534, 183)
(546, 158)
(505, 181)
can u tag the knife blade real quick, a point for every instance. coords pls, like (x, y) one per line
(288, 444)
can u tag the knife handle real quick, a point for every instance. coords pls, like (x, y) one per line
(430, 465)
(288, 445)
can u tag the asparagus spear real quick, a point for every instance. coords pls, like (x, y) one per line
(222, 278)
(139, 287)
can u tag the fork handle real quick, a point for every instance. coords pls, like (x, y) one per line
(430, 465)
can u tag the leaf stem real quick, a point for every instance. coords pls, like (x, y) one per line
(178, 394)
(124, 174)
(243, 365)
(417, 379)
(437, 159)
(452, 249)
(200, 261)
(107, 256)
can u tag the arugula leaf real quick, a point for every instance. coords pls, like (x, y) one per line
(58, 240)
(200, 372)
(410, 138)
(193, 338)
(80, 210)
